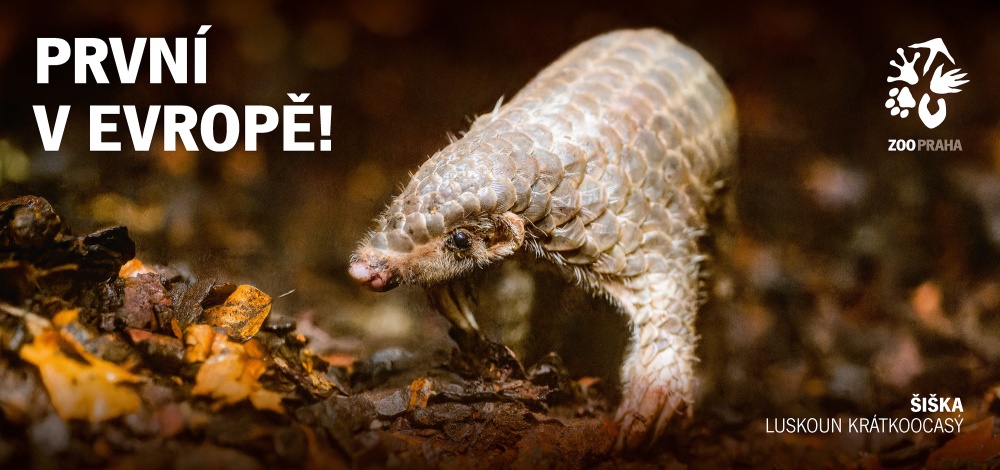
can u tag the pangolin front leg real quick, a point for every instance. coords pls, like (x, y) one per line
(604, 165)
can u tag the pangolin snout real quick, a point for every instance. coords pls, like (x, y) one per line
(373, 275)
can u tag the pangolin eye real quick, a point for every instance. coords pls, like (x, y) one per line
(460, 239)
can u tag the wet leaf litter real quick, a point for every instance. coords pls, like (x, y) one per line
(132, 363)
(107, 361)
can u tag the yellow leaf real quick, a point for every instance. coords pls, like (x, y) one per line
(133, 268)
(231, 375)
(82, 386)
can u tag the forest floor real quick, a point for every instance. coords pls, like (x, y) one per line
(107, 362)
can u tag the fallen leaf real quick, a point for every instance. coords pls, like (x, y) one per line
(420, 392)
(197, 343)
(81, 385)
(65, 317)
(319, 456)
(345, 361)
(133, 268)
(230, 375)
(264, 399)
(242, 314)
(977, 444)
(926, 301)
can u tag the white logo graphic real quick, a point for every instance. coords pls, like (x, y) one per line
(901, 99)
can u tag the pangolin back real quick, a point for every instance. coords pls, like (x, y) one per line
(609, 159)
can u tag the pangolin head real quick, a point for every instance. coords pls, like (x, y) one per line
(454, 215)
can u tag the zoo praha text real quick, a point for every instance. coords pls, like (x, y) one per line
(218, 128)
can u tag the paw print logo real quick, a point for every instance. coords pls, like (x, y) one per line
(901, 100)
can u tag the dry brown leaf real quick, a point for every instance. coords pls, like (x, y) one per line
(420, 392)
(242, 314)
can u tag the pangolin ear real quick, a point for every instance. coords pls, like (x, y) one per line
(508, 234)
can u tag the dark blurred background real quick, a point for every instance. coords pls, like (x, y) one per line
(854, 266)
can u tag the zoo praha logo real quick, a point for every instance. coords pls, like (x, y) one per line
(901, 100)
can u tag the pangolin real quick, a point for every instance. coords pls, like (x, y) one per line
(605, 165)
